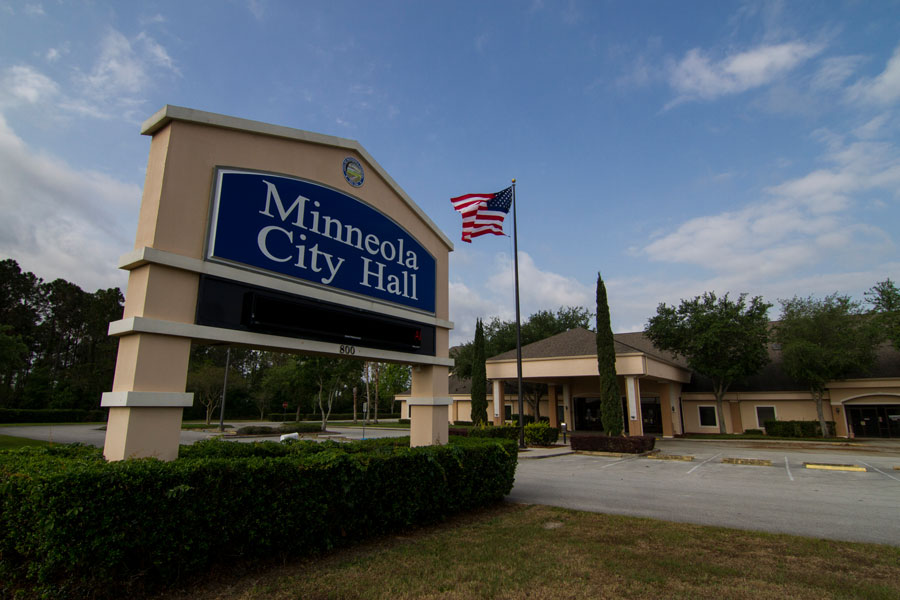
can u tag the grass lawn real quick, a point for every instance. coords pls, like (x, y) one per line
(8, 442)
(539, 552)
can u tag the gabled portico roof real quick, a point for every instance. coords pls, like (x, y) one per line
(574, 354)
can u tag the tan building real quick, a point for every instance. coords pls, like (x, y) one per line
(661, 396)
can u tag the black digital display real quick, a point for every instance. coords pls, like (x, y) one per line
(234, 305)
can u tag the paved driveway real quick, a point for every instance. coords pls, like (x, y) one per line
(783, 498)
(95, 434)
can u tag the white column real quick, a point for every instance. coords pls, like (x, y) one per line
(498, 401)
(675, 402)
(567, 403)
(633, 394)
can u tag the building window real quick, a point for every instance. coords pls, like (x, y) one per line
(763, 414)
(708, 416)
(507, 412)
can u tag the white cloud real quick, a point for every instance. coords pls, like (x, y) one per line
(257, 8)
(118, 81)
(698, 76)
(23, 84)
(804, 224)
(834, 71)
(60, 222)
(123, 68)
(538, 290)
(34, 9)
(883, 89)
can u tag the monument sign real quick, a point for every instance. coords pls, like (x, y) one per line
(279, 239)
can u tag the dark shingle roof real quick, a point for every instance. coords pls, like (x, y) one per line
(581, 342)
(772, 378)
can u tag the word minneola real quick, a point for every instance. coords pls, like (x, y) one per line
(308, 258)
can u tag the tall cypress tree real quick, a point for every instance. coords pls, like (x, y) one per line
(479, 377)
(611, 405)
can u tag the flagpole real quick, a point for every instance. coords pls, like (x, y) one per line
(518, 322)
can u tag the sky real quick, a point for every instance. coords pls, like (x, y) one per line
(673, 147)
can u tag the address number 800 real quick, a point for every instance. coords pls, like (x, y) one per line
(349, 350)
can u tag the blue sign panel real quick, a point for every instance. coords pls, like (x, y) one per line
(307, 231)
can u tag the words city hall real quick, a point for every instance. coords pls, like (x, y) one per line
(311, 258)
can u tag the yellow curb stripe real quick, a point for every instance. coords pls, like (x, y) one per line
(760, 462)
(825, 467)
(681, 457)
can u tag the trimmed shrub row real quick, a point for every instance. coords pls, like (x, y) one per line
(504, 432)
(602, 443)
(51, 415)
(290, 416)
(73, 525)
(295, 427)
(540, 434)
(800, 429)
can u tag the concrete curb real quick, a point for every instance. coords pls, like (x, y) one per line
(682, 457)
(760, 462)
(834, 467)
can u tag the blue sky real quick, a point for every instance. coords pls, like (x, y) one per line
(677, 147)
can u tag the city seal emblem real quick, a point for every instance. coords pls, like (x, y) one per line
(353, 172)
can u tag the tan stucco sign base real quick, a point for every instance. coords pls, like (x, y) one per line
(159, 320)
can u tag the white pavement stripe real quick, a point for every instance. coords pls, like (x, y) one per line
(704, 462)
(618, 462)
(787, 468)
(880, 471)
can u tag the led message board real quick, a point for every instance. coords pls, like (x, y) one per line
(307, 231)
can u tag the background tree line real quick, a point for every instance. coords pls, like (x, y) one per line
(55, 353)
(498, 336)
(54, 347)
(820, 340)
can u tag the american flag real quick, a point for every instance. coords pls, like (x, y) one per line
(482, 213)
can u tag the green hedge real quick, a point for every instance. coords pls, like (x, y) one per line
(290, 416)
(504, 432)
(295, 427)
(540, 434)
(73, 525)
(51, 415)
(799, 429)
(634, 444)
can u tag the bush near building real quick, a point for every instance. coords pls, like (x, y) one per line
(540, 434)
(74, 526)
(635, 444)
(797, 429)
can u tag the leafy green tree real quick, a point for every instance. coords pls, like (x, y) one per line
(478, 392)
(395, 378)
(283, 384)
(722, 339)
(884, 297)
(206, 382)
(330, 375)
(610, 404)
(825, 340)
(500, 336)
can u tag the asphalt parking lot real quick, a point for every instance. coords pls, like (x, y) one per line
(786, 497)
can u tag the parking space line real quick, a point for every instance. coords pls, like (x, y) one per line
(704, 462)
(618, 462)
(787, 468)
(880, 471)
